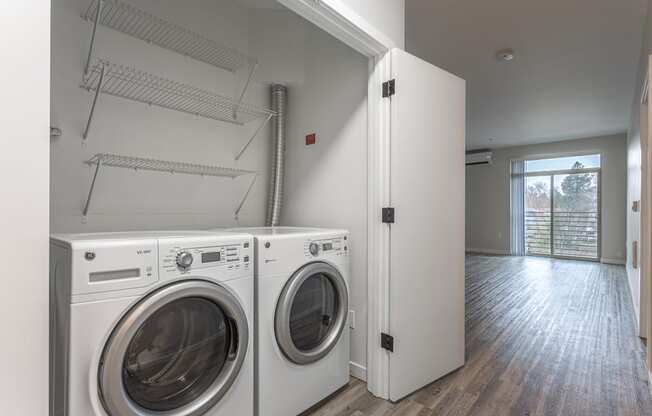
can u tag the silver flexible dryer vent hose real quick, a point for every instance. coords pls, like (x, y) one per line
(275, 199)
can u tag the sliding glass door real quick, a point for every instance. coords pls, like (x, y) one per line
(538, 215)
(576, 216)
(562, 208)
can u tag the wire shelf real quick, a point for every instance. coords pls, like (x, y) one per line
(140, 24)
(138, 163)
(133, 84)
(129, 162)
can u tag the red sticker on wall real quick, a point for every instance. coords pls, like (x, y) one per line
(311, 139)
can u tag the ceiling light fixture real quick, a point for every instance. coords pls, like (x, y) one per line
(505, 55)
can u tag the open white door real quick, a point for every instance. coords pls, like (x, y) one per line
(427, 239)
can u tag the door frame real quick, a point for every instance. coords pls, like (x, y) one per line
(342, 22)
(645, 249)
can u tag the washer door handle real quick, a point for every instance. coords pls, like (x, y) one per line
(234, 341)
(326, 320)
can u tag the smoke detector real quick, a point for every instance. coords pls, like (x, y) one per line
(505, 55)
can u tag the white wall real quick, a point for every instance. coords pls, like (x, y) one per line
(388, 16)
(489, 225)
(634, 180)
(24, 115)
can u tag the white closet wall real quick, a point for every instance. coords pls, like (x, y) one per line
(125, 199)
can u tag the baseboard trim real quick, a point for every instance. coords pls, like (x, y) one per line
(488, 251)
(619, 262)
(358, 371)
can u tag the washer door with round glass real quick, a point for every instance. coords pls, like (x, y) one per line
(311, 313)
(175, 353)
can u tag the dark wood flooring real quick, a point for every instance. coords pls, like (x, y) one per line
(544, 337)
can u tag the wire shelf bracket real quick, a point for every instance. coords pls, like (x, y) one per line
(245, 197)
(258, 130)
(98, 89)
(129, 83)
(244, 89)
(91, 47)
(102, 160)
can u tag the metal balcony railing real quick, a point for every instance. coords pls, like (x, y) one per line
(562, 233)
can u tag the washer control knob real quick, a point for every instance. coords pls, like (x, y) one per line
(314, 249)
(184, 259)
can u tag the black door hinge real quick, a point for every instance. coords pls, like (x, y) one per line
(387, 342)
(389, 88)
(388, 215)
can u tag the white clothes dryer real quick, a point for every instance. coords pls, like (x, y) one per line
(302, 299)
(152, 323)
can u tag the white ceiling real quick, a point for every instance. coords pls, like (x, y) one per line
(574, 74)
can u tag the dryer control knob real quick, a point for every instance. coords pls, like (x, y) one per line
(184, 259)
(314, 249)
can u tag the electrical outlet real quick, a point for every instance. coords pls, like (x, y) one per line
(352, 319)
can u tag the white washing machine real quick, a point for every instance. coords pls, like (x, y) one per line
(146, 324)
(302, 291)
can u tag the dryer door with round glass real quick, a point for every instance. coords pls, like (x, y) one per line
(176, 352)
(311, 313)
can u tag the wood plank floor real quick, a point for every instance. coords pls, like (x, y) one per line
(544, 337)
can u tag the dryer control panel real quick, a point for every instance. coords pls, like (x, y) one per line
(326, 246)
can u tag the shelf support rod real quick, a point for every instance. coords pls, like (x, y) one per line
(97, 94)
(246, 195)
(244, 90)
(90, 191)
(258, 130)
(98, 14)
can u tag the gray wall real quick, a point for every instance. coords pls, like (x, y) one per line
(634, 179)
(488, 194)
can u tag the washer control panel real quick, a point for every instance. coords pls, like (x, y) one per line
(326, 246)
(184, 259)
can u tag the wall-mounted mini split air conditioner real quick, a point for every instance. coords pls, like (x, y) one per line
(479, 157)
